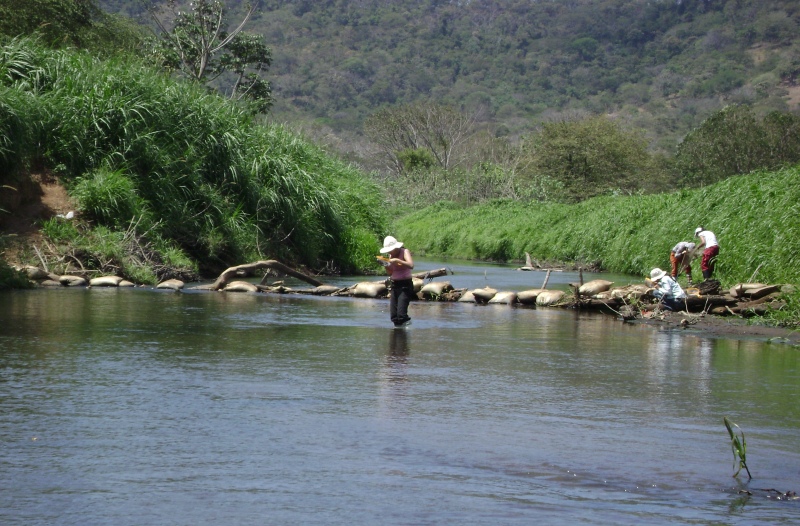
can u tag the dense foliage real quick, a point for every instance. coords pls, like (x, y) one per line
(78, 23)
(756, 218)
(735, 141)
(664, 65)
(181, 164)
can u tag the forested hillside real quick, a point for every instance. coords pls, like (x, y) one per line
(663, 66)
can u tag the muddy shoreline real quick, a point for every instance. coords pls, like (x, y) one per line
(709, 325)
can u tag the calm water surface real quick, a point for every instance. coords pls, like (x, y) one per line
(142, 407)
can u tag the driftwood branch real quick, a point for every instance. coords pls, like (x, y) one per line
(228, 275)
(429, 274)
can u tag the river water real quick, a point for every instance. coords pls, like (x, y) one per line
(143, 407)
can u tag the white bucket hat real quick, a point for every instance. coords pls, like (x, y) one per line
(389, 244)
(697, 231)
(656, 274)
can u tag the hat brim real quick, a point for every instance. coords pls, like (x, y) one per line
(386, 250)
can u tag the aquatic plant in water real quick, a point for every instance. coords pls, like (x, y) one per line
(739, 447)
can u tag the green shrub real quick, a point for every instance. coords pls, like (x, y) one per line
(11, 278)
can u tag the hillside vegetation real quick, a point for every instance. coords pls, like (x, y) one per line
(662, 65)
(167, 165)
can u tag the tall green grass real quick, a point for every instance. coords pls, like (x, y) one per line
(187, 165)
(756, 218)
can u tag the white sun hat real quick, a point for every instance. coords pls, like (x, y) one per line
(697, 230)
(389, 244)
(656, 274)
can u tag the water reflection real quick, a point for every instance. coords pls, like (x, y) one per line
(393, 376)
(398, 346)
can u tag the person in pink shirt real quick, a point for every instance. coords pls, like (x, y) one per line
(398, 267)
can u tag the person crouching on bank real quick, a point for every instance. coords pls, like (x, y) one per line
(667, 290)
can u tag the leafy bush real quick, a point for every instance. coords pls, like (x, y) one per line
(11, 278)
(589, 156)
(733, 141)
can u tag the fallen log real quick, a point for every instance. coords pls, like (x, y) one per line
(228, 275)
(430, 274)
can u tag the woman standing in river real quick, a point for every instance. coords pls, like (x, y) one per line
(398, 267)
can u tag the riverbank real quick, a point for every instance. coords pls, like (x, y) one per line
(711, 326)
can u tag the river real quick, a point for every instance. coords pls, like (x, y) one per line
(143, 407)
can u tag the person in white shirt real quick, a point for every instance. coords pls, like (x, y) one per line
(708, 243)
(667, 290)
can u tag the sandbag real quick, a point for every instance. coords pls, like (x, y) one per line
(435, 289)
(173, 284)
(549, 297)
(504, 298)
(737, 291)
(126, 284)
(324, 290)
(418, 284)
(629, 292)
(35, 273)
(105, 281)
(367, 289)
(240, 286)
(72, 281)
(467, 297)
(590, 288)
(484, 295)
(759, 292)
(528, 297)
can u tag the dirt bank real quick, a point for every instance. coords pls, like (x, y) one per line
(721, 327)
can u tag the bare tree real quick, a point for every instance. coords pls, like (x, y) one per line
(433, 131)
(196, 43)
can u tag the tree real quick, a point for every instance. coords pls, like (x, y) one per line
(65, 23)
(198, 45)
(733, 141)
(440, 130)
(58, 21)
(589, 156)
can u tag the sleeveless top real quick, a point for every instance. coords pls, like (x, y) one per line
(401, 272)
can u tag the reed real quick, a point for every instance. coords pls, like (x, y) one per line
(738, 447)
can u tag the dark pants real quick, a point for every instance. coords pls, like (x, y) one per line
(672, 304)
(401, 294)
